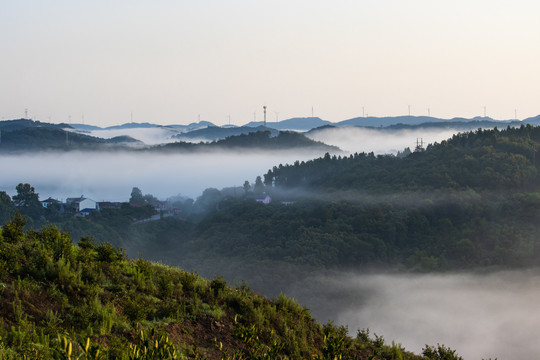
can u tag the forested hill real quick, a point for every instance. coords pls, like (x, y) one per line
(51, 138)
(285, 140)
(469, 202)
(481, 160)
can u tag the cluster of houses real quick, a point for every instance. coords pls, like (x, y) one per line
(79, 205)
(84, 206)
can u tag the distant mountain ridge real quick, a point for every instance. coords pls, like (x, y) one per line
(305, 123)
(309, 123)
(207, 131)
(28, 136)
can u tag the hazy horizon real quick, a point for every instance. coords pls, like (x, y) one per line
(106, 63)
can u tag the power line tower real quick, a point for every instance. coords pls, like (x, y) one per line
(419, 145)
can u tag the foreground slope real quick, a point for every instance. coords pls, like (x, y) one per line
(89, 302)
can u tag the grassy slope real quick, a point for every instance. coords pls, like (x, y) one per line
(90, 302)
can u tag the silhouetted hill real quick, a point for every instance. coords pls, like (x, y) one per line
(192, 126)
(84, 127)
(132, 126)
(532, 120)
(307, 123)
(54, 138)
(212, 133)
(414, 120)
(285, 140)
(18, 124)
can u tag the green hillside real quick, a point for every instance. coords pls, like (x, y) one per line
(60, 301)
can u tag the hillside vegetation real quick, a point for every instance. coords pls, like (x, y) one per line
(60, 301)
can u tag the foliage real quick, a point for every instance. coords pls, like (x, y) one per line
(61, 301)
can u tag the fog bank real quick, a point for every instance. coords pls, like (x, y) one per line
(481, 316)
(149, 136)
(111, 175)
(379, 141)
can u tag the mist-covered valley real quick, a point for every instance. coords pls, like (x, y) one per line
(482, 315)
(351, 244)
(379, 140)
(110, 176)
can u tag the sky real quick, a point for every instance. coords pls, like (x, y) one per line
(174, 62)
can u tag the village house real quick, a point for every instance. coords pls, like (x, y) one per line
(261, 198)
(50, 201)
(82, 205)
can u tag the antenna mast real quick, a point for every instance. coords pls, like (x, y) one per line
(419, 144)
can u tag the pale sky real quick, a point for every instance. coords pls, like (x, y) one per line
(167, 62)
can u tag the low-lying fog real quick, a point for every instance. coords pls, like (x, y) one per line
(111, 176)
(149, 136)
(379, 141)
(494, 315)
(349, 139)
